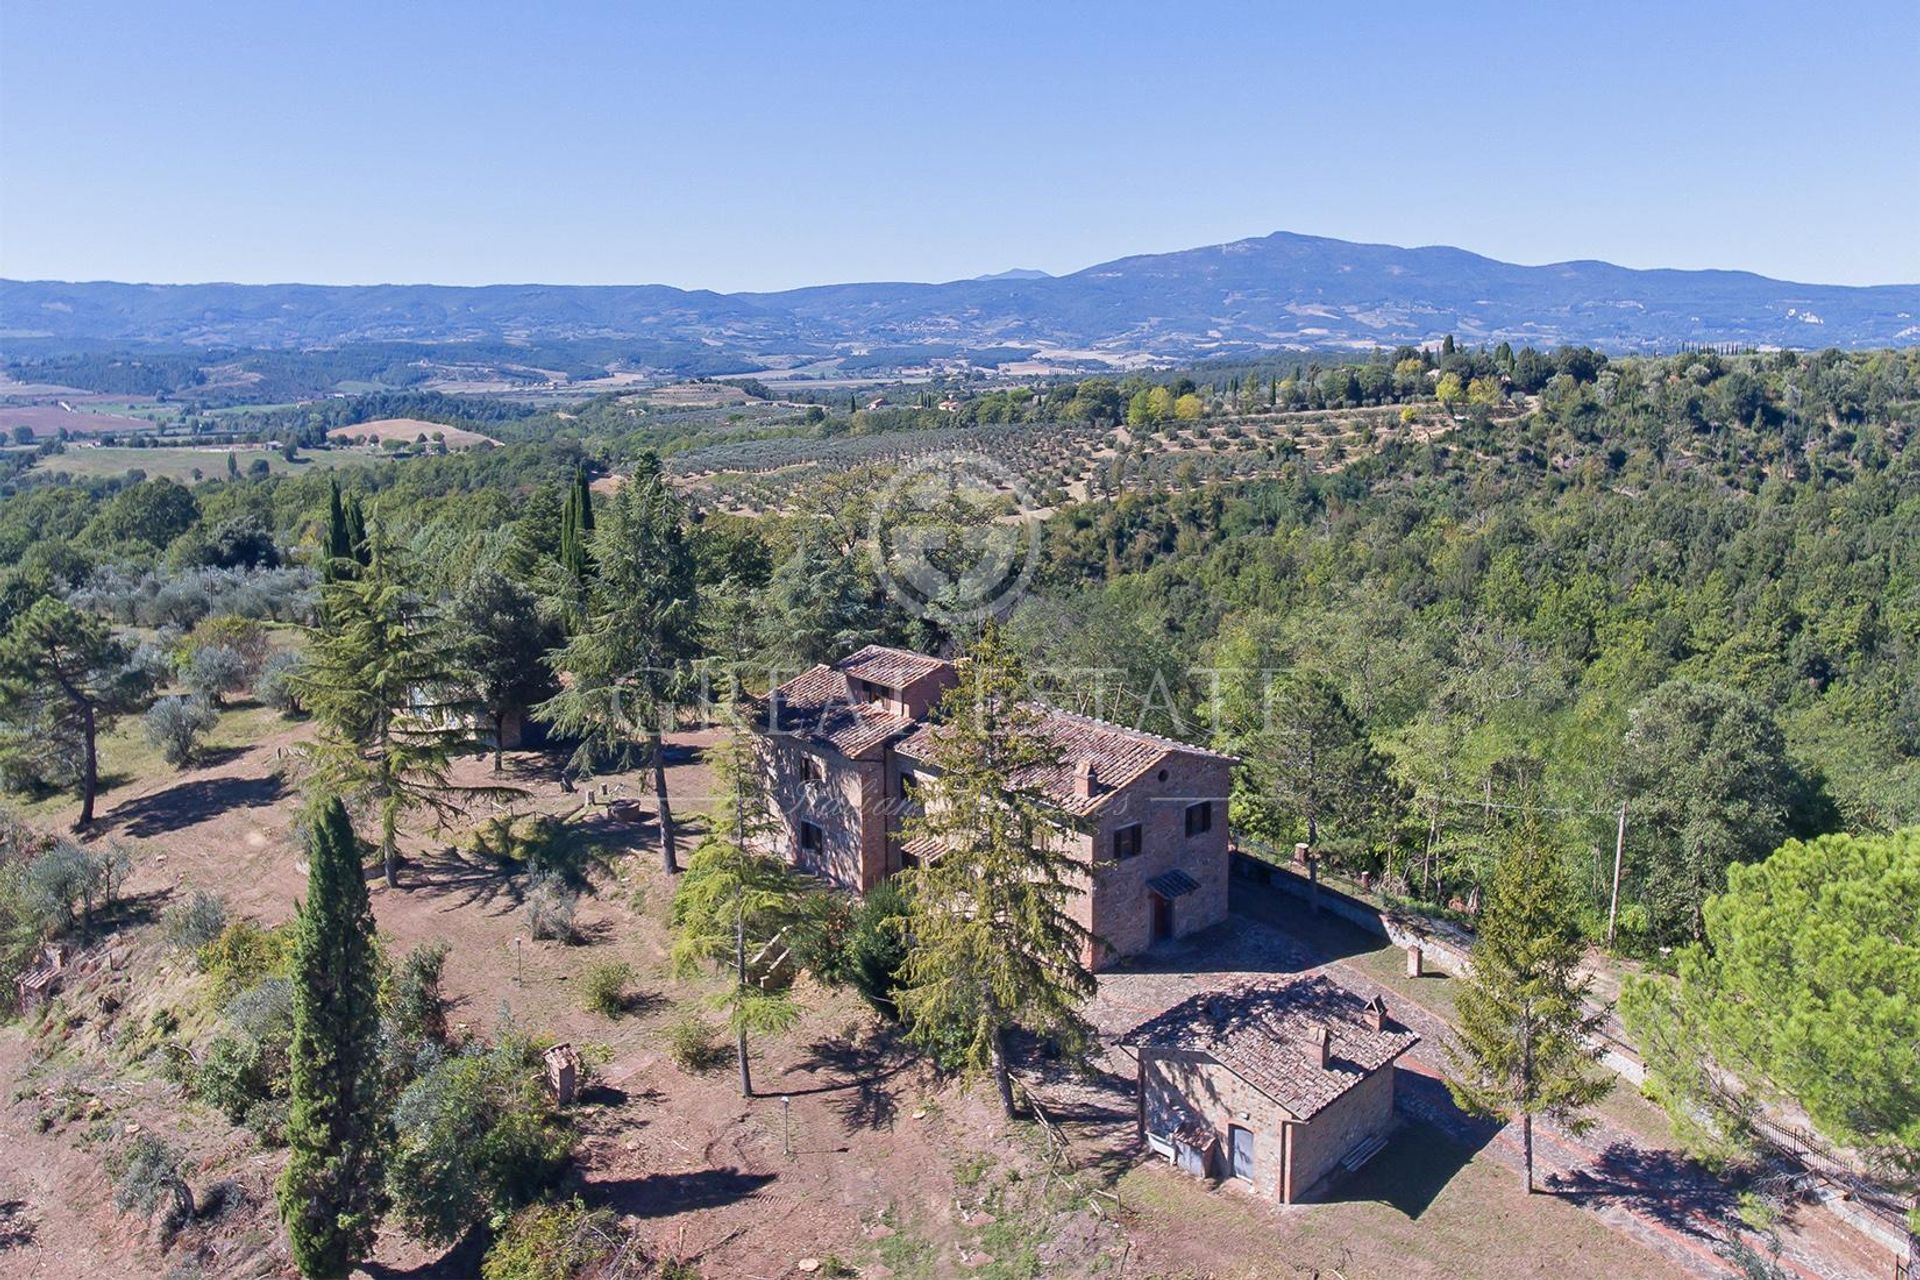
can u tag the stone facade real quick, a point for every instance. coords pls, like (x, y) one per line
(838, 778)
(1291, 1157)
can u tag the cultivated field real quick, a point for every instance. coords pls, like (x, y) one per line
(409, 430)
(180, 463)
(48, 420)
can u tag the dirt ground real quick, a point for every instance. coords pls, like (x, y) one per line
(851, 1152)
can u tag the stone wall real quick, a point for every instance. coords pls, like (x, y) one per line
(1173, 1083)
(853, 850)
(1362, 1112)
(1122, 909)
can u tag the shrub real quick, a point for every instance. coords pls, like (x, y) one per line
(148, 1173)
(244, 955)
(476, 1136)
(244, 636)
(552, 1242)
(550, 907)
(875, 949)
(693, 1044)
(604, 989)
(247, 1065)
(175, 724)
(275, 685)
(214, 670)
(414, 1003)
(196, 922)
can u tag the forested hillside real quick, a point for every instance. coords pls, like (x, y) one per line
(1559, 583)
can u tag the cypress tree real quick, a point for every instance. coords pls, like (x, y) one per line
(357, 533)
(1525, 1036)
(339, 543)
(585, 496)
(328, 1195)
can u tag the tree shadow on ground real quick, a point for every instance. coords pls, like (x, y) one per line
(1324, 936)
(661, 1195)
(469, 881)
(189, 804)
(1676, 1192)
(133, 910)
(868, 1100)
(461, 1262)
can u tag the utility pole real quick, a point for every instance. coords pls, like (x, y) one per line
(1619, 847)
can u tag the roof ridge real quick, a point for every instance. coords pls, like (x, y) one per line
(1162, 739)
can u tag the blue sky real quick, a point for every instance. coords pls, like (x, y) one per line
(739, 146)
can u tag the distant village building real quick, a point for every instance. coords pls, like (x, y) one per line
(1278, 1087)
(846, 744)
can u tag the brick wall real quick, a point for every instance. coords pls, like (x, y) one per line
(1174, 1083)
(1362, 1112)
(1170, 1079)
(853, 849)
(1122, 909)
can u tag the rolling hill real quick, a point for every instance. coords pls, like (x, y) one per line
(1281, 291)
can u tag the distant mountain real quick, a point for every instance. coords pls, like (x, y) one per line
(1017, 273)
(1281, 291)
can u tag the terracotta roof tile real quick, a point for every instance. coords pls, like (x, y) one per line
(1120, 756)
(816, 706)
(1267, 1035)
(889, 668)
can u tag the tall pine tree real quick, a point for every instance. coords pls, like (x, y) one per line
(739, 909)
(630, 663)
(993, 947)
(380, 679)
(328, 1195)
(1525, 1043)
(339, 544)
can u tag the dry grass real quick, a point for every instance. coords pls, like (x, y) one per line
(410, 429)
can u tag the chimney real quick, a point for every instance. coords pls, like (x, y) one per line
(1323, 1041)
(1377, 1013)
(1084, 779)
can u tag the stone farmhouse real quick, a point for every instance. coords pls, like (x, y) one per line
(846, 743)
(1277, 1087)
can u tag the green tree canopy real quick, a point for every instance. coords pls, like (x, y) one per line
(64, 679)
(993, 945)
(329, 1194)
(1806, 991)
(629, 667)
(1711, 786)
(1525, 1045)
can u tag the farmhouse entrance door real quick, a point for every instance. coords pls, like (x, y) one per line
(1162, 917)
(1240, 1144)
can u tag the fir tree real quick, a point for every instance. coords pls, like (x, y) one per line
(380, 680)
(738, 908)
(993, 947)
(630, 662)
(328, 1194)
(1525, 1038)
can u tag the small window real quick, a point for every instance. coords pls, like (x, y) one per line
(1200, 818)
(816, 768)
(811, 837)
(1126, 842)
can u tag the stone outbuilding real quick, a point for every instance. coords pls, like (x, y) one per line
(1278, 1087)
